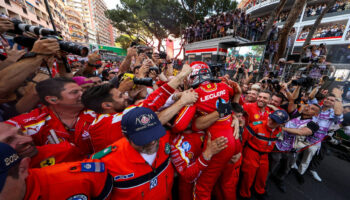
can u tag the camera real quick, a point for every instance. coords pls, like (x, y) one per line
(162, 55)
(304, 82)
(21, 27)
(69, 47)
(143, 49)
(139, 81)
(240, 70)
(66, 46)
(154, 68)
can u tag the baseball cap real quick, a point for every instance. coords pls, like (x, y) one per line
(279, 116)
(8, 158)
(142, 126)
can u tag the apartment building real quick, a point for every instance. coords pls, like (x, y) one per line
(104, 29)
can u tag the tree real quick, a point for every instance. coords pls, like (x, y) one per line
(292, 18)
(125, 41)
(307, 42)
(221, 6)
(273, 18)
(147, 18)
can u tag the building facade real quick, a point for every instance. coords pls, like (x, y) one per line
(85, 10)
(34, 12)
(104, 29)
(77, 30)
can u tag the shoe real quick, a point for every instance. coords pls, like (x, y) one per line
(315, 175)
(280, 184)
(300, 178)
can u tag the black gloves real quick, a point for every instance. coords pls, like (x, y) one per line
(223, 108)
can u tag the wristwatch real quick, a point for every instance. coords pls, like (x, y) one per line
(339, 99)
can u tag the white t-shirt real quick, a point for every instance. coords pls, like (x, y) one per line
(149, 158)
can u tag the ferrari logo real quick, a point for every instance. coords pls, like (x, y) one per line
(48, 162)
(208, 86)
(256, 116)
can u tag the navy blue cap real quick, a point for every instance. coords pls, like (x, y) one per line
(279, 116)
(142, 126)
(8, 158)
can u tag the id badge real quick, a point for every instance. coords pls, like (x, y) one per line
(153, 183)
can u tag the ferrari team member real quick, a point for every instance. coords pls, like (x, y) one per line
(111, 104)
(62, 117)
(77, 180)
(41, 156)
(140, 161)
(227, 182)
(259, 111)
(211, 92)
(259, 139)
(190, 159)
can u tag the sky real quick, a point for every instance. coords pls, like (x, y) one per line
(112, 3)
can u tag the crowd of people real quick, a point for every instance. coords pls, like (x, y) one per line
(123, 130)
(315, 10)
(235, 23)
(324, 31)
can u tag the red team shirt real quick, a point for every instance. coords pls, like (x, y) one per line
(254, 112)
(40, 121)
(206, 103)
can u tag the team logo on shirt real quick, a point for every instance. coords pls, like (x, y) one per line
(186, 146)
(256, 116)
(48, 162)
(78, 197)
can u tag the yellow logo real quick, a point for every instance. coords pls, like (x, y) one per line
(208, 86)
(256, 116)
(48, 162)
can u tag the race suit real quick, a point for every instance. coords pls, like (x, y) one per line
(186, 155)
(106, 128)
(208, 95)
(40, 121)
(258, 141)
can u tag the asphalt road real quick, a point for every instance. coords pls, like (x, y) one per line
(335, 185)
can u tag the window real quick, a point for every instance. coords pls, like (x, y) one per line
(8, 2)
(24, 10)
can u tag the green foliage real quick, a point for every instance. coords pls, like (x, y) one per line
(158, 18)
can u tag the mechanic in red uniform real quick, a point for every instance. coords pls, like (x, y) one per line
(140, 161)
(41, 156)
(259, 111)
(210, 93)
(61, 119)
(111, 104)
(190, 159)
(259, 139)
(77, 180)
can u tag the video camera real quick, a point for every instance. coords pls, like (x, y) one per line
(139, 81)
(69, 47)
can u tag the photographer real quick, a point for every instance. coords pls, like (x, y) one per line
(318, 67)
(14, 75)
